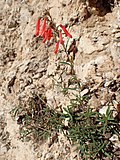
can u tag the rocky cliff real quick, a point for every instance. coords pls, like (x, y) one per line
(28, 66)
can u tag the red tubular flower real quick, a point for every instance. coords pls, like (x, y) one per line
(45, 36)
(49, 33)
(37, 27)
(56, 47)
(65, 31)
(43, 27)
(60, 38)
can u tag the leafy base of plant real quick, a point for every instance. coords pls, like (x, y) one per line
(88, 130)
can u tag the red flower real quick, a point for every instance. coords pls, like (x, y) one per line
(45, 36)
(43, 27)
(65, 31)
(56, 47)
(49, 33)
(37, 27)
(60, 38)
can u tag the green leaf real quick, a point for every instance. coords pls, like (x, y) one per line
(66, 63)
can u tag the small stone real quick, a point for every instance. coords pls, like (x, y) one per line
(49, 156)
(104, 109)
(117, 35)
(85, 91)
(107, 83)
(38, 75)
(114, 138)
(12, 24)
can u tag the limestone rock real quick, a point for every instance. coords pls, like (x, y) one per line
(28, 66)
(86, 45)
(84, 92)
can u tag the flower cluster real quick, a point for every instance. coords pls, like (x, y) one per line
(47, 33)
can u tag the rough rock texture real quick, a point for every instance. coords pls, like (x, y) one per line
(28, 66)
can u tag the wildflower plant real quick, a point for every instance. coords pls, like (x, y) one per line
(86, 129)
(89, 130)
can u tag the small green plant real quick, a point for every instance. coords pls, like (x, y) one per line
(36, 119)
(88, 130)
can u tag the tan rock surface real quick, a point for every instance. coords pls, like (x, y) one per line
(27, 67)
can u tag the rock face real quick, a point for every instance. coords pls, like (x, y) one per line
(86, 45)
(28, 66)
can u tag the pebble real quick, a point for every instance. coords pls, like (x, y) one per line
(104, 109)
(114, 138)
(107, 83)
(85, 91)
(117, 35)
